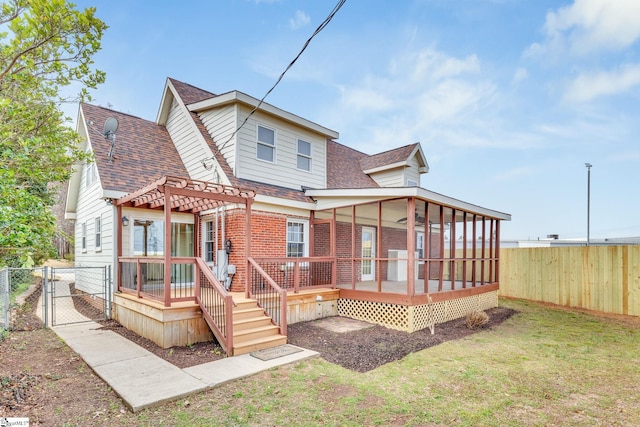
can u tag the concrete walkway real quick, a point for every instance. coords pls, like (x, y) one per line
(143, 379)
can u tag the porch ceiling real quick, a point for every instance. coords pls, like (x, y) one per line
(186, 195)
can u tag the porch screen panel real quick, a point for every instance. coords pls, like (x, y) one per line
(344, 248)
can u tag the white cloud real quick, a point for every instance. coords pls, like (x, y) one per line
(588, 86)
(299, 20)
(520, 75)
(590, 26)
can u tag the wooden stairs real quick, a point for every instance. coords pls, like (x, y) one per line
(252, 328)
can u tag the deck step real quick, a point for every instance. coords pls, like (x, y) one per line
(247, 313)
(258, 344)
(254, 322)
(254, 333)
(245, 304)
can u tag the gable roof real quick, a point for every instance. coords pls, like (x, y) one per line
(189, 93)
(143, 151)
(343, 167)
(397, 157)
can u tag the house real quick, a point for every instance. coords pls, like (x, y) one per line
(272, 221)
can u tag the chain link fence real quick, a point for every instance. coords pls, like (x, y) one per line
(14, 282)
(67, 295)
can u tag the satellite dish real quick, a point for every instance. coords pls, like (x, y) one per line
(110, 127)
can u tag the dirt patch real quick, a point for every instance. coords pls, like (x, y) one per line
(365, 349)
(42, 378)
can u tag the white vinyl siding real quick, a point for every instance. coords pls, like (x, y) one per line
(90, 208)
(390, 178)
(284, 171)
(188, 142)
(221, 123)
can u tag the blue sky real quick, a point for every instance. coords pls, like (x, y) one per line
(509, 98)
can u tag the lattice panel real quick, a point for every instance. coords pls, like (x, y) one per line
(459, 307)
(488, 300)
(415, 318)
(392, 316)
(422, 315)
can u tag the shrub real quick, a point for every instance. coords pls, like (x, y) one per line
(476, 319)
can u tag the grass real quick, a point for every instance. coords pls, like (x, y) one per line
(543, 366)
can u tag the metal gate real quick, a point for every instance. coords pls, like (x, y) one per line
(76, 295)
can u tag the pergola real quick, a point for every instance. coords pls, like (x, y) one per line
(176, 194)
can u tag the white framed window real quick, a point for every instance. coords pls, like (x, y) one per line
(266, 144)
(91, 174)
(297, 238)
(98, 234)
(420, 244)
(304, 155)
(208, 240)
(83, 236)
(412, 183)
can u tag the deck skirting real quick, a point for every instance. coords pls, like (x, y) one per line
(179, 325)
(411, 318)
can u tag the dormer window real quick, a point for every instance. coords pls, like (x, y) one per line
(266, 146)
(304, 155)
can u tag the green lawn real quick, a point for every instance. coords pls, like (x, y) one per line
(544, 366)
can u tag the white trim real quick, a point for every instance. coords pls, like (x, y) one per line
(305, 235)
(372, 258)
(266, 144)
(386, 167)
(270, 200)
(97, 224)
(309, 156)
(330, 198)
(235, 97)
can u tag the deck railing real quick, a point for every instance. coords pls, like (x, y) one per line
(271, 297)
(216, 304)
(145, 277)
(295, 274)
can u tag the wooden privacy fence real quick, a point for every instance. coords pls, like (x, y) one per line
(601, 278)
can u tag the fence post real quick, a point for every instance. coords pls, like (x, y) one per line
(107, 290)
(45, 296)
(5, 296)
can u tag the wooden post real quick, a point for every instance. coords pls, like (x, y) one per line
(376, 259)
(464, 250)
(167, 246)
(353, 246)
(452, 250)
(411, 246)
(427, 246)
(247, 237)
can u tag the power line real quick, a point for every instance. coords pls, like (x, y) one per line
(315, 33)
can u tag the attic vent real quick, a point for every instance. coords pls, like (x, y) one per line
(412, 183)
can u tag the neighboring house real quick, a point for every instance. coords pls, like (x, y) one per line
(267, 209)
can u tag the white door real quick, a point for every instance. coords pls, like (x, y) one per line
(368, 254)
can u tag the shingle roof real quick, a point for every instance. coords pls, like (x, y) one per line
(188, 93)
(343, 167)
(397, 155)
(143, 150)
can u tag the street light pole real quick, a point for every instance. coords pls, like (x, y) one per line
(588, 165)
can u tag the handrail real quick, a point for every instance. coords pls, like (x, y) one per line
(273, 302)
(216, 305)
